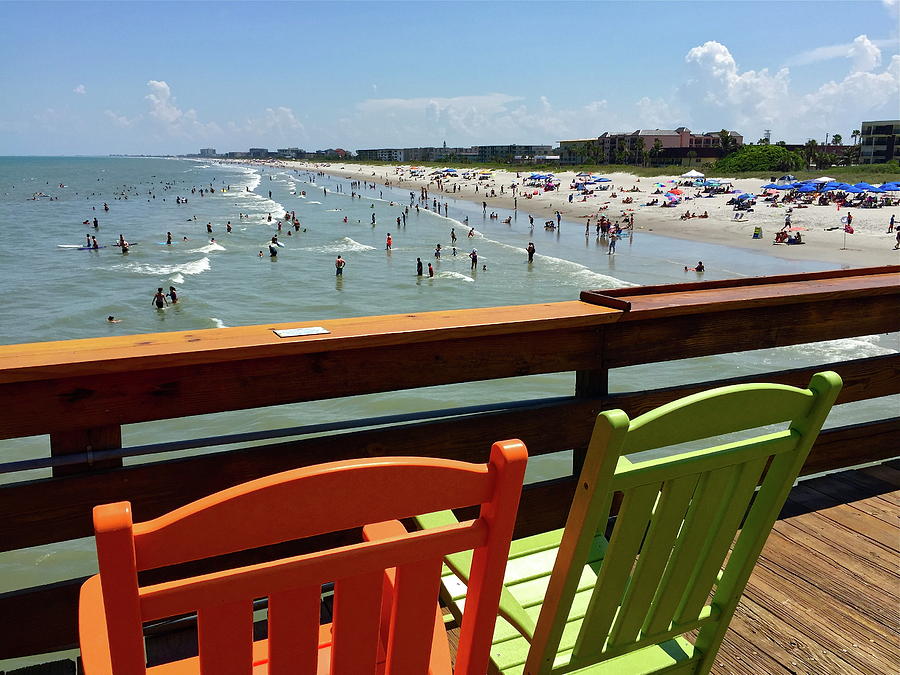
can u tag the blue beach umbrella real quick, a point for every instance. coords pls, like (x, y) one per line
(852, 190)
(863, 186)
(806, 188)
(786, 186)
(891, 187)
(603, 180)
(770, 186)
(746, 195)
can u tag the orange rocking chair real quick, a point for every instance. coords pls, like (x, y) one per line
(386, 619)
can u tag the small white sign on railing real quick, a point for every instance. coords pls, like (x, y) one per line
(298, 332)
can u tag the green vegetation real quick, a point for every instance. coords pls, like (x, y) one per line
(879, 173)
(760, 158)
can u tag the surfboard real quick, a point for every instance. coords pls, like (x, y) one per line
(69, 246)
(88, 248)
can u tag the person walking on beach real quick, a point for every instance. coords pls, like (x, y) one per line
(483, 208)
(160, 299)
(474, 256)
(613, 237)
(530, 250)
(453, 233)
(558, 219)
(891, 224)
(339, 266)
(418, 266)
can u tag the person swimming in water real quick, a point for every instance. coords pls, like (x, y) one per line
(112, 319)
(159, 299)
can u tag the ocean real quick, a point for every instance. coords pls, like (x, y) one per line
(54, 291)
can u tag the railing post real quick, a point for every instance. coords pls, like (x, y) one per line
(591, 383)
(85, 441)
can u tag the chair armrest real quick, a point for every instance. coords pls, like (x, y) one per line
(461, 565)
(92, 634)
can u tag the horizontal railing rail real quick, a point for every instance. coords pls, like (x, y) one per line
(81, 392)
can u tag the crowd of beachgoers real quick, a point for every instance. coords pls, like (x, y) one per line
(743, 212)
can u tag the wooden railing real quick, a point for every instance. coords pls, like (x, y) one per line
(81, 392)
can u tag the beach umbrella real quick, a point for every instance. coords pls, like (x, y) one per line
(876, 190)
(582, 174)
(806, 188)
(770, 186)
(603, 180)
(692, 174)
(823, 179)
(786, 186)
(746, 195)
(891, 187)
(863, 186)
(675, 191)
(851, 190)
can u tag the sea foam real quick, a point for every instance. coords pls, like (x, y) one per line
(342, 245)
(193, 267)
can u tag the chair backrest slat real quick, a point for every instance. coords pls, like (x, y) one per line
(679, 517)
(673, 502)
(722, 534)
(293, 630)
(412, 617)
(225, 638)
(357, 613)
(624, 544)
(709, 497)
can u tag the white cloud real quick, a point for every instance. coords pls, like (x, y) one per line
(80, 89)
(841, 51)
(865, 54)
(719, 94)
(173, 120)
(119, 120)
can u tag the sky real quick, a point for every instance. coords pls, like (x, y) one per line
(172, 77)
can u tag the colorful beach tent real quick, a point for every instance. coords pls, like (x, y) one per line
(693, 173)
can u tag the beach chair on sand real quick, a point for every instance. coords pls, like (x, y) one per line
(680, 551)
(386, 616)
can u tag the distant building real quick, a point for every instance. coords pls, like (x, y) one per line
(507, 153)
(382, 155)
(662, 147)
(879, 141)
(207, 152)
(475, 153)
(258, 153)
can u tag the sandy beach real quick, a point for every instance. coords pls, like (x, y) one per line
(870, 245)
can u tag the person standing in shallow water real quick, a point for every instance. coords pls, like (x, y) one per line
(530, 250)
(159, 299)
(173, 295)
(339, 266)
(418, 267)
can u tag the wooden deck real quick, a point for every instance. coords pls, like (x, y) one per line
(824, 597)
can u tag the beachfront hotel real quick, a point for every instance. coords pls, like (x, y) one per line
(879, 141)
(663, 147)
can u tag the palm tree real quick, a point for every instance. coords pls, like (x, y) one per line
(809, 151)
(855, 134)
(637, 150)
(837, 139)
(763, 141)
(692, 155)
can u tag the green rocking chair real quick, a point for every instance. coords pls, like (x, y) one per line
(687, 536)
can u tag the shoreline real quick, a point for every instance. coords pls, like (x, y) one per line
(869, 246)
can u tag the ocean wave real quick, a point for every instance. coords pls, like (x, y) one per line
(455, 275)
(212, 246)
(313, 202)
(571, 273)
(176, 278)
(193, 267)
(219, 323)
(844, 349)
(342, 245)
